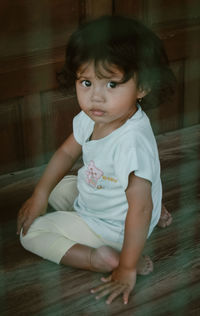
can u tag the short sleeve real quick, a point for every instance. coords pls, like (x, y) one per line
(131, 159)
(82, 127)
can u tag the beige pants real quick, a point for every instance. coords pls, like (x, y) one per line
(52, 235)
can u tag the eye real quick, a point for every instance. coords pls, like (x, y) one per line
(111, 84)
(86, 83)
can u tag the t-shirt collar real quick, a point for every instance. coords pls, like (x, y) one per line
(138, 114)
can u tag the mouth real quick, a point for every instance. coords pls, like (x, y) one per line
(97, 112)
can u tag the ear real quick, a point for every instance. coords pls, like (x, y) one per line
(142, 92)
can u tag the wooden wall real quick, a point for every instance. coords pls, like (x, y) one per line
(35, 117)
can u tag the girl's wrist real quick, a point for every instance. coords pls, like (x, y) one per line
(124, 272)
(127, 267)
(41, 193)
(127, 261)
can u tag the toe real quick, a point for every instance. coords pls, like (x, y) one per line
(165, 219)
(145, 266)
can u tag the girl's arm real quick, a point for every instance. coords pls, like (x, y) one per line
(59, 165)
(137, 221)
(123, 278)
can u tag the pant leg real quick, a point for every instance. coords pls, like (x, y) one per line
(64, 194)
(44, 234)
(52, 235)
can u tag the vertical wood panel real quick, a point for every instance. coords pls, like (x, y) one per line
(32, 129)
(35, 25)
(94, 9)
(173, 11)
(167, 117)
(59, 111)
(129, 8)
(192, 93)
(33, 38)
(11, 157)
(171, 113)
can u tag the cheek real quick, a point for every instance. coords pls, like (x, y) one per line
(82, 99)
(130, 97)
(79, 95)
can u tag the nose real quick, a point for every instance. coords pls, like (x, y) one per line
(97, 94)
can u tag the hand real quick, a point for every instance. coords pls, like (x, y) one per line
(35, 206)
(121, 281)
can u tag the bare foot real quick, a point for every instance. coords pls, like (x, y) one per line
(145, 265)
(106, 259)
(165, 218)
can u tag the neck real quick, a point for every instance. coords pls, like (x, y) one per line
(102, 130)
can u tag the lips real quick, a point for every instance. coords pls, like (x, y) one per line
(97, 112)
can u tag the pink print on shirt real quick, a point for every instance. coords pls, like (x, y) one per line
(93, 174)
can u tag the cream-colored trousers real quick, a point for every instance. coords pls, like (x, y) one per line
(53, 234)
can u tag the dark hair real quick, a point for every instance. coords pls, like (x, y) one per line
(126, 43)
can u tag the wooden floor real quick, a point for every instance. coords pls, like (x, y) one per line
(32, 286)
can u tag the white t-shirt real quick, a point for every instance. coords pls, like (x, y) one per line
(103, 179)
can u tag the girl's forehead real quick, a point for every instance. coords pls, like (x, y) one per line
(100, 69)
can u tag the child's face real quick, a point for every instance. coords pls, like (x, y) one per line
(106, 100)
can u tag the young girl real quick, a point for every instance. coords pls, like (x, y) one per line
(105, 215)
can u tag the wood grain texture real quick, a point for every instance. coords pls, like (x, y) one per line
(130, 8)
(32, 286)
(35, 26)
(95, 9)
(58, 113)
(10, 136)
(31, 117)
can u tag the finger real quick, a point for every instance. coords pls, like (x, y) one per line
(107, 279)
(107, 291)
(126, 295)
(115, 294)
(18, 226)
(102, 287)
(20, 222)
(26, 226)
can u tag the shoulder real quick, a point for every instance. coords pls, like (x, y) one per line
(137, 138)
(139, 132)
(81, 117)
(82, 127)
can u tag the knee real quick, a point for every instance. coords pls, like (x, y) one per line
(63, 195)
(27, 241)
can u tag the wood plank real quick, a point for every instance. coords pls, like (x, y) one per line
(33, 44)
(168, 116)
(11, 157)
(94, 9)
(19, 82)
(180, 43)
(35, 26)
(59, 110)
(175, 279)
(191, 93)
(129, 8)
(184, 12)
(32, 129)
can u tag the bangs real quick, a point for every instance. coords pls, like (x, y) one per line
(106, 69)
